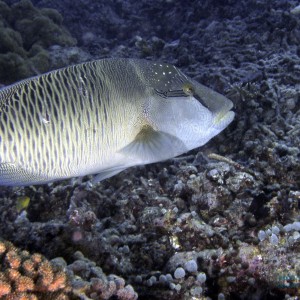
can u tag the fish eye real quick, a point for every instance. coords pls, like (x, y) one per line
(188, 89)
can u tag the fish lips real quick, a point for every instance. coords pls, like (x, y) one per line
(223, 118)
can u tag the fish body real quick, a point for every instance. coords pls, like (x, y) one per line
(102, 117)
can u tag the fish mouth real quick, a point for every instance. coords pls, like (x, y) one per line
(223, 118)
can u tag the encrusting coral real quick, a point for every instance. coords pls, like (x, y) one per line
(88, 280)
(25, 35)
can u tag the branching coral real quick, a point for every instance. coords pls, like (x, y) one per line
(26, 276)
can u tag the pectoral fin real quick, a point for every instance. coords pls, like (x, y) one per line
(150, 146)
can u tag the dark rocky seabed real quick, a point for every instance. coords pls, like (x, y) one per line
(235, 219)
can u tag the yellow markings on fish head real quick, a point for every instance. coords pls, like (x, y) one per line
(223, 116)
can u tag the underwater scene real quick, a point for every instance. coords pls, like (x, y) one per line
(149, 149)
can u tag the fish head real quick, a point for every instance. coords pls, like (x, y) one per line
(184, 108)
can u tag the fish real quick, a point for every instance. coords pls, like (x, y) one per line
(102, 117)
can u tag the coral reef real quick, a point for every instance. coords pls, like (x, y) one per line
(31, 277)
(25, 276)
(25, 35)
(92, 282)
(200, 226)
